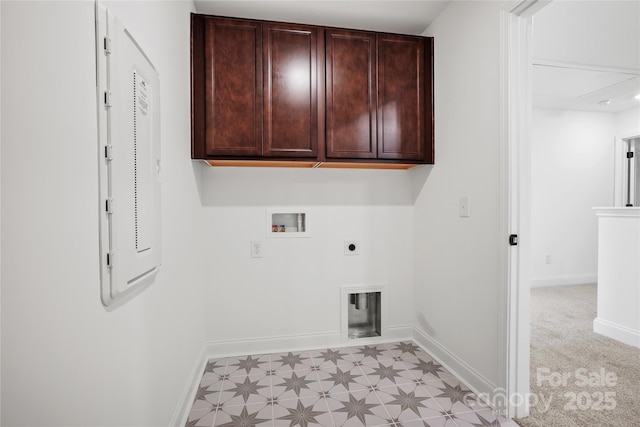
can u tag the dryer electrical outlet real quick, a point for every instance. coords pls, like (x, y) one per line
(128, 93)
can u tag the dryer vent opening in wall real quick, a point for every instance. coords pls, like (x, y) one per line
(364, 315)
(363, 312)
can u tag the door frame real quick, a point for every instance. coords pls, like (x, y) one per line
(620, 185)
(515, 197)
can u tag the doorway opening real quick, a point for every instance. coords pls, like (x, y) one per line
(519, 190)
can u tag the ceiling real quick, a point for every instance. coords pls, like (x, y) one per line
(403, 17)
(586, 53)
(583, 51)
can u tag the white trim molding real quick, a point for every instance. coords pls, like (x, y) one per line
(564, 280)
(515, 118)
(181, 413)
(618, 212)
(617, 332)
(478, 384)
(273, 344)
(525, 8)
(515, 181)
(301, 342)
(588, 67)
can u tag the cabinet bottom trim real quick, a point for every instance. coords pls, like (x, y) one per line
(309, 165)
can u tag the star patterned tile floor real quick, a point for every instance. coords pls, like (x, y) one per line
(394, 384)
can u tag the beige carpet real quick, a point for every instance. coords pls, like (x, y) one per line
(601, 385)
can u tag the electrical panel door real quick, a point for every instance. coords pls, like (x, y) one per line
(129, 161)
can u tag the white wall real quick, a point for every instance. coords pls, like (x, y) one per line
(628, 123)
(457, 262)
(572, 171)
(291, 296)
(65, 359)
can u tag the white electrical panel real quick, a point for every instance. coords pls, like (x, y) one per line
(129, 161)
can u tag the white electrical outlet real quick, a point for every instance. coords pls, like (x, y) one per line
(256, 249)
(351, 247)
(547, 259)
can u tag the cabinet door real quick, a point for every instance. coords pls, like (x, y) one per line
(291, 90)
(351, 94)
(233, 87)
(401, 97)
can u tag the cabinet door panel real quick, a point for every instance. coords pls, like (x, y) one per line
(401, 97)
(351, 94)
(233, 70)
(291, 91)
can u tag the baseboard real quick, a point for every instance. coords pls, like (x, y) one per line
(617, 332)
(301, 342)
(263, 345)
(400, 333)
(478, 384)
(564, 280)
(181, 413)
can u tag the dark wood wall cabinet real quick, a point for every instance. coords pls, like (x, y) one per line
(279, 94)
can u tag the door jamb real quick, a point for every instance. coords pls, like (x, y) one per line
(515, 181)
